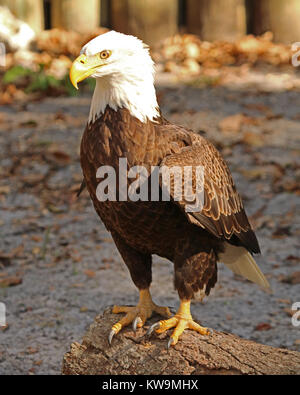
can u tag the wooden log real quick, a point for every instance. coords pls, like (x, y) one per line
(134, 353)
(29, 11)
(80, 16)
(150, 20)
(216, 19)
(278, 16)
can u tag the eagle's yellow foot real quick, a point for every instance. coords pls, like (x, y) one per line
(182, 320)
(137, 315)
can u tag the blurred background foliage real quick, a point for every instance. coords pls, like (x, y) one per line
(188, 38)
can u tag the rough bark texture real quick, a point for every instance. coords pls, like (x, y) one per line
(130, 353)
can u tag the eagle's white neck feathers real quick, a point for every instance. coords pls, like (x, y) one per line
(125, 91)
(127, 81)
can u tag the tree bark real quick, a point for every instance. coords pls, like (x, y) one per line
(280, 17)
(29, 11)
(149, 20)
(216, 20)
(134, 353)
(80, 16)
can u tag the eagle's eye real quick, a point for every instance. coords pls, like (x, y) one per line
(104, 54)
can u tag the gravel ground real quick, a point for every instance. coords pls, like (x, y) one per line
(58, 265)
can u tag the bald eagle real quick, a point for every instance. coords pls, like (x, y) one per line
(125, 122)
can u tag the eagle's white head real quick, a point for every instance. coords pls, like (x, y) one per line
(124, 73)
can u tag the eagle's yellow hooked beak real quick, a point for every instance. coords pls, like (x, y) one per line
(83, 67)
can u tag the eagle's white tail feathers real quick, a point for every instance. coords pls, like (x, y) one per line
(241, 262)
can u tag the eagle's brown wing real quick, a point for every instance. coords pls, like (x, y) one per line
(222, 212)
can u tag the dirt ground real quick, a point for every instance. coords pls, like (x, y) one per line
(58, 265)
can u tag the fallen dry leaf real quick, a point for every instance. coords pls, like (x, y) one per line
(5, 259)
(258, 107)
(38, 362)
(37, 238)
(293, 258)
(89, 273)
(263, 326)
(284, 301)
(253, 139)
(10, 281)
(107, 260)
(293, 278)
(281, 232)
(232, 123)
(4, 189)
(77, 285)
(31, 350)
(59, 157)
(36, 251)
(262, 172)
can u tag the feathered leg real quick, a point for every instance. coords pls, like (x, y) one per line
(195, 275)
(139, 266)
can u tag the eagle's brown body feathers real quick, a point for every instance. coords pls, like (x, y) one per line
(192, 241)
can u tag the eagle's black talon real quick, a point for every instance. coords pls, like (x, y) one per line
(110, 336)
(210, 331)
(170, 342)
(152, 328)
(136, 321)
